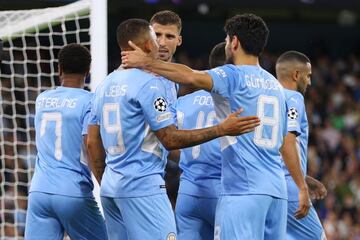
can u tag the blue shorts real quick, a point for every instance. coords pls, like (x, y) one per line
(307, 228)
(195, 217)
(149, 217)
(254, 217)
(49, 215)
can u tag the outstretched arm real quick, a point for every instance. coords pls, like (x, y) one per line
(178, 73)
(171, 138)
(292, 162)
(96, 152)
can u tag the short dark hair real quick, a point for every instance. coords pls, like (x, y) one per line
(132, 29)
(166, 17)
(217, 55)
(293, 56)
(74, 58)
(251, 30)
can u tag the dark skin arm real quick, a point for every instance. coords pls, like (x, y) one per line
(171, 138)
(292, 162)
(96, 152)
(174, 156)
(316, 188)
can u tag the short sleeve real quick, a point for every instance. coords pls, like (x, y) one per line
(173, 110)
(94, 117)
(153, 101)
(295, 108)
(86, 119)
(222, 77)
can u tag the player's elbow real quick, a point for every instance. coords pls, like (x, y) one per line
(169, 145)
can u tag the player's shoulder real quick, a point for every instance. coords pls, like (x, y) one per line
(135, 76)
(292, 95)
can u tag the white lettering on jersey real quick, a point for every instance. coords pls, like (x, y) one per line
(116, 90)
(253, 81)
(203, 100)
(51, 102)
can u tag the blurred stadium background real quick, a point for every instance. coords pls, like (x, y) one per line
(328, 31)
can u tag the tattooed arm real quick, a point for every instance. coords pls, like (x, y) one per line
(233, 125)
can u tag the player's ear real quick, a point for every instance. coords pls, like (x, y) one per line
(295, 75)
(235, 43)
(60, 70)
(179, 40)
(147, 46)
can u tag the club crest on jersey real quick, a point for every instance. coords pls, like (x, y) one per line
(171, 236)
(160, 104)
(292, 114)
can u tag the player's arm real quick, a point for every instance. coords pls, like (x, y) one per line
(292, 162)
(316, 188)
(233, 125)
(178, 73)
(96, 152)
(174, 155)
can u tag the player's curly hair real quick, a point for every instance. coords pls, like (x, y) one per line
(74, 58)
(251, 30)
(167, 17)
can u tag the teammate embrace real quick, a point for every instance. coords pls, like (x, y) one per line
(237, 128)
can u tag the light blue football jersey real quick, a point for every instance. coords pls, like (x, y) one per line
(129, 106)
(201, 164)
(171, 97)
(60, 121)
(251, 162)
(298, 124)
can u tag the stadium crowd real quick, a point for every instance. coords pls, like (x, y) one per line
(333, 107)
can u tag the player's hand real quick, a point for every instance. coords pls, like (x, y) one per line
(316, 188)
(234, 125)
(304, 204)
(136, 58)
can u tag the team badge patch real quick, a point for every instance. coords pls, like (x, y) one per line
(292, 114)
(160, 104)
(171, 236)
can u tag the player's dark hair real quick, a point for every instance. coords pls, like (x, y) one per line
(132, 29)
(293, 56)
(166, 17)
(74, 58)
(217, 55)
(251, 30)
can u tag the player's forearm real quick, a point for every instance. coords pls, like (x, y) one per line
(181, 74)
(97, 162)
(176, 139)
(312, 182)
(292, 161)
(96, 152)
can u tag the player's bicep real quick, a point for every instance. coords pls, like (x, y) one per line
(202, 80)
(294, 112)
(165, 135)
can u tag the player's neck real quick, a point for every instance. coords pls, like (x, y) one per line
(246, 60)
(72, 80)
(288, 85)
